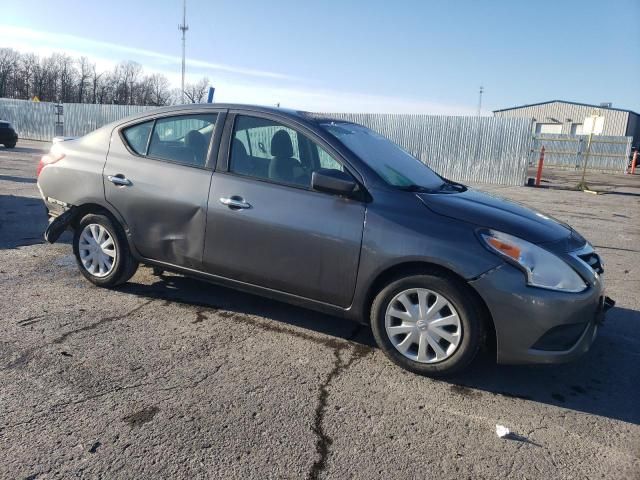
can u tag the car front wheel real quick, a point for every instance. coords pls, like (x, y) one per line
(427, 324)
(102, 252)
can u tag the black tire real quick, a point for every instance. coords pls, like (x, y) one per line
(10, 145)
(471, 323)
(124, 265)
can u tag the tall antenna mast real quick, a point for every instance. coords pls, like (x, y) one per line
(183, 27)
(480, 100)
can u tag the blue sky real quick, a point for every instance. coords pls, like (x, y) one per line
(356, 55)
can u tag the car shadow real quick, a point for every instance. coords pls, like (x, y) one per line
(603, 382)
(189, 291)
(11, 178)
(22, 221)
(31, 150)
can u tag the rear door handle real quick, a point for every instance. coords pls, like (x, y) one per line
(119, 180)
(235, 202)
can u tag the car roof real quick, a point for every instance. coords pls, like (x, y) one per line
(299, 114)
(230, 106)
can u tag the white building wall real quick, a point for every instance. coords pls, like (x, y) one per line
(569, 116)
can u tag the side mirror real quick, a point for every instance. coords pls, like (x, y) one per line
(333, 181)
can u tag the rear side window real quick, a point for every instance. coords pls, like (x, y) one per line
(183, 139)
(138, 137)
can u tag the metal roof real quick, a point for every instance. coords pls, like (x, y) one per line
(570, 103)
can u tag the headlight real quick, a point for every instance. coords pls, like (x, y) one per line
(542, 268)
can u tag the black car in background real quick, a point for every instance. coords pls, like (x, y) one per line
(8, 136)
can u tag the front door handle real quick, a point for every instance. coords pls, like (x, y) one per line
(235, 202)
(119, 180)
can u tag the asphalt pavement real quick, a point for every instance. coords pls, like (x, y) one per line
(170, 377)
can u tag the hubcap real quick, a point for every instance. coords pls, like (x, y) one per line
(97, 250)
(423, 325)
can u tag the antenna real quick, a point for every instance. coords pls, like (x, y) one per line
(480, 100)
(183, 27)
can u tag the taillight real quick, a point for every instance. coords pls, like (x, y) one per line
(48, 159)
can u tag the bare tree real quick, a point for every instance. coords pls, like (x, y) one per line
(159, 93)
(83, 77)
(95, 80)
(61, 78)
(196, 92)
(25, 73)
(8, 66)
(68, 76)
(126, 75)
(39, 77)
(51, 73)
(106, 88)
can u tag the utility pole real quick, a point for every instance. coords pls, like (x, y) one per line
(183, 27)
(480, 100)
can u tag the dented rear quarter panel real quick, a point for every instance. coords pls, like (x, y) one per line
(77, 178)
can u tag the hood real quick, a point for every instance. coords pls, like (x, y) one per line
(497, 213)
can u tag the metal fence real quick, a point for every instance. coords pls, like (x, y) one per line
(37, 120)
(466, 149)
(608, 154)
(82, 118)
(32, 120)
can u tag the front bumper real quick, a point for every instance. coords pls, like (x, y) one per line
(534, 325)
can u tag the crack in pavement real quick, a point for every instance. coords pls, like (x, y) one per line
(117, 389)
(192, 384)
(31, 320)
(100, 322)
(324, 441)
(26, 355)
(337, 345)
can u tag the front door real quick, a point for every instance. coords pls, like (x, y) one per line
(156, 176)
(267, 227)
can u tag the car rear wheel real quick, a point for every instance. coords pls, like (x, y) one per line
(427, 324)
(102, 252)
(10, 145)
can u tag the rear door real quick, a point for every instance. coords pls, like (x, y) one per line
(267, 227)
(157, 176)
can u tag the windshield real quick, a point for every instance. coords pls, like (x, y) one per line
(392, 163)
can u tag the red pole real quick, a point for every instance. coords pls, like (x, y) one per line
(633, 162)
(540, 163)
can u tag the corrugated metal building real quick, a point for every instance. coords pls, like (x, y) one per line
(561, 117)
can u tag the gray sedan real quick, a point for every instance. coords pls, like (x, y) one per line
(330, 215)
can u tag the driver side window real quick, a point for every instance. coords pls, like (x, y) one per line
(267, 150)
